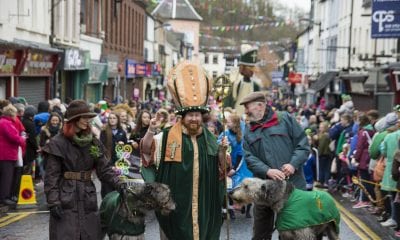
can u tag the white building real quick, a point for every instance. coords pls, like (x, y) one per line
(27, 61)
(213, 62)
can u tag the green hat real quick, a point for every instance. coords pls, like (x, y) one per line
(249, 58)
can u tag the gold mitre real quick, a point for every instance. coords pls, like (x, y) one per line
(190, 87)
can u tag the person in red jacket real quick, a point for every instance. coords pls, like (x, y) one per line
(10, 140)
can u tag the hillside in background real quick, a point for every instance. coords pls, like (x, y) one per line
(229, 23)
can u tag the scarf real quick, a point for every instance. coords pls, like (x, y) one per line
(83, 140)
(265, 124)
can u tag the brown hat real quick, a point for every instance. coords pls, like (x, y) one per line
(253, 97)
(78, 108)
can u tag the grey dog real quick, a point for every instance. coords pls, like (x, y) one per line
(319, 217)
(123, 213)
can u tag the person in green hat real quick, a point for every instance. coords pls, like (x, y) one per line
(246, 82)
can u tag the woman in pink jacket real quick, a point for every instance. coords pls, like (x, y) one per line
(10, 140)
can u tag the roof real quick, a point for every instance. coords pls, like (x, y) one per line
(176, 9)
(323, 81)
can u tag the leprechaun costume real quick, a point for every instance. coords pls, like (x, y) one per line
(189, 164)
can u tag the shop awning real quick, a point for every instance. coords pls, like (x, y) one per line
(354, 77)
(323, 81)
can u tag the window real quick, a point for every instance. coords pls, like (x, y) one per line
(83, 12)
(214, 74)
(95, 27)
(206, 59)
(215, 59)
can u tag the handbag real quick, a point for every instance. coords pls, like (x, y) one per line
(379, 169)
(334, 166)
(20, 159)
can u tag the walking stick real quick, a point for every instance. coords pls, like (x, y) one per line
(222, 88)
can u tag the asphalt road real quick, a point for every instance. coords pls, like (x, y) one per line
(32, 224)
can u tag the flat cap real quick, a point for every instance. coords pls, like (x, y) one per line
(253, 97)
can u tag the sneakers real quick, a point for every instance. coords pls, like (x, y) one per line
(362, 205)
(346, 195)
(389, 223)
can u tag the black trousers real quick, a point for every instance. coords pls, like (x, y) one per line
(6, 178)
(263, 223)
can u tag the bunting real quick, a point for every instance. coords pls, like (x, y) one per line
(247, 27)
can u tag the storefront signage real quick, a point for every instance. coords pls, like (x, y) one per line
(295, 77)
(40, 64)
(8, 62)
(97, 72)
(140, 70)
(156, 69)
(76, 59)
(130, 68)
(277, 76)
(385, 19)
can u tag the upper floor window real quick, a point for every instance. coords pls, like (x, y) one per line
(215, 59)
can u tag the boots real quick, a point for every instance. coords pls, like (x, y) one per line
(248, 207)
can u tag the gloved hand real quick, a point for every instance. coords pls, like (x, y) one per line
(56, 211)
(122, 187)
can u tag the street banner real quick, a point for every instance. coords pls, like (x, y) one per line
(385, 19)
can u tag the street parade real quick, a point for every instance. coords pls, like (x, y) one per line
(199, 119)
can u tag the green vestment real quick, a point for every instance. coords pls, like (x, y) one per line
(306, 209)
(179, 177)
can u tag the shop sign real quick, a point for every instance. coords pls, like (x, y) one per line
(76, 59)
(149, 70)
(140, 70)
(385, 19)
(130, 68)
(156, 69)
(295, 77)
(8, 62)
(39, 64)
(277, 76)
(97, 72)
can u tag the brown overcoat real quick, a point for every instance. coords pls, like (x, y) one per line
(78, 199)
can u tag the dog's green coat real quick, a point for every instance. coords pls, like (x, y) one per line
(113, 221)
(306, 209)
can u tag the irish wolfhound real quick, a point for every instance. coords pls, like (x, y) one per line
(320, 215)
(124, 215)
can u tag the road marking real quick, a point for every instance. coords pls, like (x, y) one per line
(354, 228)
(10, 219)
(371, 234)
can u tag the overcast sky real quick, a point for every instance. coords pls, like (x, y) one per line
(303, 4)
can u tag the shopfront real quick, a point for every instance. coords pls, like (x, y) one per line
(35, 79)
(10, 59)
(97, 79)
(75, 73)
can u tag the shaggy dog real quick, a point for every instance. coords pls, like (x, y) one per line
(275, 194)
(129, 209)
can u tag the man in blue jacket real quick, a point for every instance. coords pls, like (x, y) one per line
(275, 147)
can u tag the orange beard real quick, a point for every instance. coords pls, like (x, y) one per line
(192, 127)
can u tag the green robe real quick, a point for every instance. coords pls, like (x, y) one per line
(321, 208)
(179, 177)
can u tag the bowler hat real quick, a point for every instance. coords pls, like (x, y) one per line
(253, 97)
(78, 108)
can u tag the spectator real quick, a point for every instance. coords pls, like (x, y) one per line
(10, 140)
